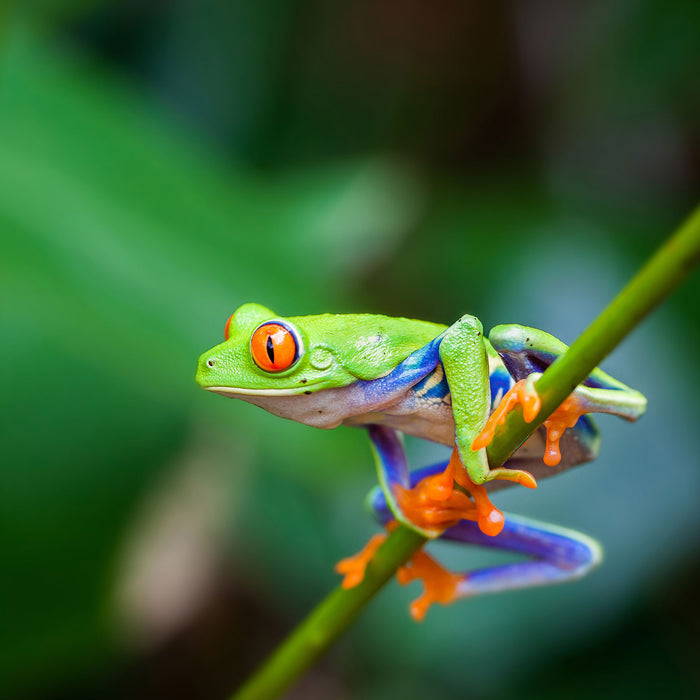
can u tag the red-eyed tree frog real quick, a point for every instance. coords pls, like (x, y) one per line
(449, 385)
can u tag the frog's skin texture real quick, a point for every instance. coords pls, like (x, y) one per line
(438, 383)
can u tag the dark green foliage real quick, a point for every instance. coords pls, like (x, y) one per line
(162, 163)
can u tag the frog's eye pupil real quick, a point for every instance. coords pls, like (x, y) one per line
(274, 346)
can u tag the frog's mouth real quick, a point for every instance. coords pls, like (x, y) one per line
(232, 391)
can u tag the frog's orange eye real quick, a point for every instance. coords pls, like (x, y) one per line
(274, 347)
(227, 327)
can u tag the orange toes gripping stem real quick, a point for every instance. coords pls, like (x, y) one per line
(520, 393)
(526, 395)
(489, 518)
(354, 567)
(435, 504)
(428, 506)
(440, 584)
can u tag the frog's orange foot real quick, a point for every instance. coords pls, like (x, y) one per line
(566, 416)
(523, 393)
(353, 568)
(434, 504)
(441, 585)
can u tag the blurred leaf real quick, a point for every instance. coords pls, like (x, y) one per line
(124, 249)
(125, 244)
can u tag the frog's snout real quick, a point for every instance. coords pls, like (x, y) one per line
(205, 369)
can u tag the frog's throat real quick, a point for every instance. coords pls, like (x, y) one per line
(233, 391)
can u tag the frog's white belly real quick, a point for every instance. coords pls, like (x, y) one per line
(425, 419)
(416, 413)
(429, 419)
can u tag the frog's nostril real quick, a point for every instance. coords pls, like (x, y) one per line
(211, 363)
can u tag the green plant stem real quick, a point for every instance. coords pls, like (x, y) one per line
(662, 273)
(651, 285)
(329, 620)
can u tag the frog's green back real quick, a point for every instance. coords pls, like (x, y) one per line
(334, 350)
(367, 345)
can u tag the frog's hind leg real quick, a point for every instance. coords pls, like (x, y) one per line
(526, 353)
(555, 555)
(426, 501)
(433, 503)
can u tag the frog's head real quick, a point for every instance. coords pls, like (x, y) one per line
(264, 355)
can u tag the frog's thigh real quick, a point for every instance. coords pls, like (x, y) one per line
(525, 350)
(392, 471)
(463, 355)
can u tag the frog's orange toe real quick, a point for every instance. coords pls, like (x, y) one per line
(526, 479)
(520, 393)
(566, 416)
(488, 432)
(529, 400)
(552, 454)
(440, 584)
(524, 393)
(492, 523)
(434, 503)
(424, 512)
(354, 567)
(485, 437)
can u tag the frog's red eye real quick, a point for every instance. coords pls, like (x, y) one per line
(227, 327)
(274, 347)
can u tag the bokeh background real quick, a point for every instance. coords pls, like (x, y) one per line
(162, 163)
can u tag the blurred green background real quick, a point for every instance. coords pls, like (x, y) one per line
(162, 163)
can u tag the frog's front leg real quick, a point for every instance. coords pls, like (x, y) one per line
(464, 357)
(527, 352)
(554, 555)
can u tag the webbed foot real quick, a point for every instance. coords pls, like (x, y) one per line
(566, 416)
(440, 584)
(525, 394)
(434, 504)
(354, 567)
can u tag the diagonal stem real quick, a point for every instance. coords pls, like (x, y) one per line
(651, 285)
